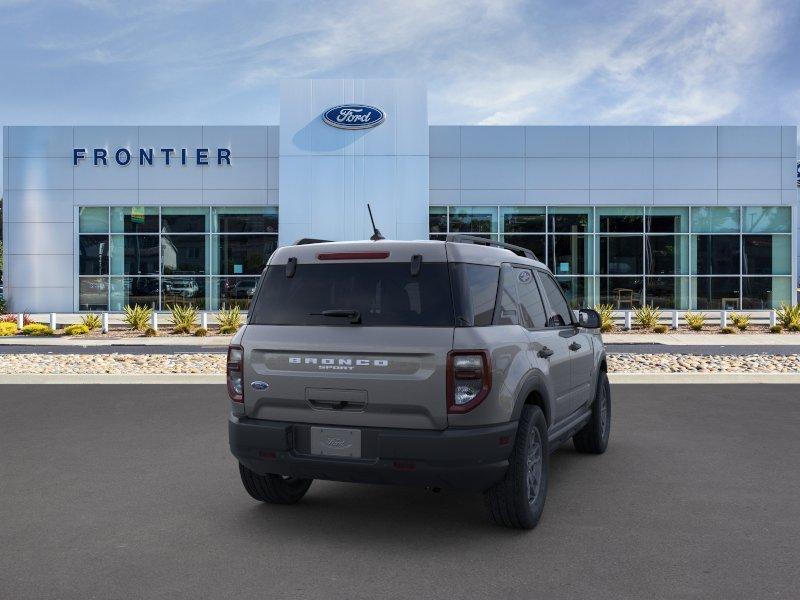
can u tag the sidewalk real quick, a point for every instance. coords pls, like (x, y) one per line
(156, 342)
(711, 339)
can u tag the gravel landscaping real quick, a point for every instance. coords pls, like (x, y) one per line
(213, 364)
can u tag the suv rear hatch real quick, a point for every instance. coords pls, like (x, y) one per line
(351, 334)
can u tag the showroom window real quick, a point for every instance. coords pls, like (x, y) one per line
(673, 257)
(161, 256)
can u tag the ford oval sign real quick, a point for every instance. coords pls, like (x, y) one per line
(353, 116)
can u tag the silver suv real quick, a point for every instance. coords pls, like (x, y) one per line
(445, 364)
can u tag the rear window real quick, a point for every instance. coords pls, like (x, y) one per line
(384, 294)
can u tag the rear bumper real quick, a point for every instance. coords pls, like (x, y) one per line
(458, 458)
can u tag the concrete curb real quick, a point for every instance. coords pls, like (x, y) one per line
(155, 342)
(703, 378)
(689, 339)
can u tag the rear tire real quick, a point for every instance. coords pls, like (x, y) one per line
(593, 438)
(273, 489)
(518, 500)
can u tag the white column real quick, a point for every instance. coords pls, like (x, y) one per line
(773, 318)
(20, 320)
(105, 323)
(154, 321)
(52, 321)
(627, 320)
(674, 319)
(723, 318)
(204, 320)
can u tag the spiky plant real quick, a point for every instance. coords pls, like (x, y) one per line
(606, 312)
(695, 321)
(647, 316)
(92, 321)
(740, 321)
(137, 317)
(788, 315)
(229, 319)
(183, 317)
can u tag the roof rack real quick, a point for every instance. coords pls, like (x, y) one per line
(472, 239)
(304, 241)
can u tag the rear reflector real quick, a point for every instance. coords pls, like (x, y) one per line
(352, 255)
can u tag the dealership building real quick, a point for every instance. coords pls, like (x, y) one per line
(683, 217)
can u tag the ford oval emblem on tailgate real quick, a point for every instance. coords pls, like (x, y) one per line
(259, 385)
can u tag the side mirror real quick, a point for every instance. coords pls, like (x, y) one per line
(588, 318)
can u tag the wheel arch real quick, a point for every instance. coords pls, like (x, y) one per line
(534, 392)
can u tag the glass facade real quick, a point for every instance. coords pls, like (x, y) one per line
(209, 257)
(673, 257)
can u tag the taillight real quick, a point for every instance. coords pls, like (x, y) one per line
(469, 379)
(234, 373)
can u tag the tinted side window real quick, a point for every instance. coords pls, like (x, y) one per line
(474, 293)
(530, 300)
(507, 298)
(561, 314)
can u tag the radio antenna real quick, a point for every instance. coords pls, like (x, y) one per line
(377, 234)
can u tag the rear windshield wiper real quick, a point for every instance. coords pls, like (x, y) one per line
(353, 315)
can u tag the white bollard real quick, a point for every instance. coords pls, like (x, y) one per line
(105, 323)
(723, 318)
(53, 321)
(627, 325)
(204, 320)
(20, 320)
(674, 319)
(154, 321)
(773, 318)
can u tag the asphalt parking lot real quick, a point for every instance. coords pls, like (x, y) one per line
(129, 491)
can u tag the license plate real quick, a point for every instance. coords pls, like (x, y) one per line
(329, 441)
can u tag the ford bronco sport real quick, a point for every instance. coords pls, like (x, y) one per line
(446, 364)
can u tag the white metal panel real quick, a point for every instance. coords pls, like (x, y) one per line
(272, 173)
(444, 173)
(613, 141)
(789, 197)
(492, 173)
(41, 299)
(272, 197)
(39, 173)
(112, 138)
(105, 197)
(327, 202)
(38, 141)
(685, 197)
(411, 231)
(445, 140)
(749, 173)
(235, 198)
(685, 173)
(170, 197)
(685, 141)
(188, 136)
(296, 114)
(789, 173)
(411, 191)
(749, 141)
(380, 140)
(411, 131)
(295, 196)
(324, 139)
(242, 140)
(752, 197)
(484, 197)
(242, 173)
(623, 197)
(41, 238)
(557, 173)
(35, 270)
(557, 141)
(444, 197)
(560, 197)
(38, 206)
(273, 140)
(789, 141)
(493, 141)
(176, 176)
(621, 173)
(108, 177)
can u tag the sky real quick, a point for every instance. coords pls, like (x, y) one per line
(485, 61)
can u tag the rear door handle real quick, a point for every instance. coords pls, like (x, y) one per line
(545, 352)
(574, 346)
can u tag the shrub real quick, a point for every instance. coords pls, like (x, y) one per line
(775, 329)
(200, 332)
(788, 315)
(740, 321)
(150, 332)
(183, 317)
(229, 319)
(794, 327)
(660, 329)
(647, 316)
(137, 317)
(606, 317)
(12, 318)
(727, 329)
(37, 329)
(8, 329)
(92, 321)
(76, 329)
(695, 321)
(2, 305)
